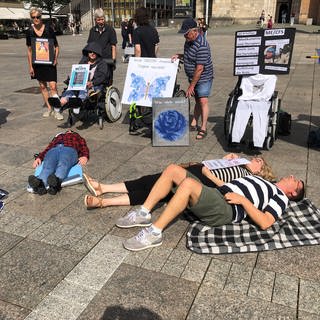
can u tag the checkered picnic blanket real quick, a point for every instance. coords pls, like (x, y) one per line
(299, 226)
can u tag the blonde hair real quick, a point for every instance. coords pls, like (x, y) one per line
(35, 9)
(266, 171)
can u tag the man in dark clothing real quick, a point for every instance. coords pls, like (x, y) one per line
(124, 33)
(145, 37)
(105, 36)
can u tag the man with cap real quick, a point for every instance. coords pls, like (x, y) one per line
(199, 70)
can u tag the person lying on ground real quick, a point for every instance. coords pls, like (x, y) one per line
(249, 197)
(135, 192)
(62, 153)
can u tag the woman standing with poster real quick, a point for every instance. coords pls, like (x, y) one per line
(43, 51)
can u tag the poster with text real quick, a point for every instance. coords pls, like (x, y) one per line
(149, 78)
(42, 51)
(265, 51)
(79, 77)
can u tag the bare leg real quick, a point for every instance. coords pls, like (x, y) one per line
(95, 202)
(204, 109)
(188, 192)
(196, 113)
(53, 88)
(45, 93)
(173, 174)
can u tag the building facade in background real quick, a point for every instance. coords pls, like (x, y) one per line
(171, 12)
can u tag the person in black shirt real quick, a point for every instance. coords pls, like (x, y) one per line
(145, 37)
(105, 36)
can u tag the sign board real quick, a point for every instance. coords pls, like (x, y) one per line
(170, 122)
(149, 78)
(42, 51)
(265, 51)
(79, 77)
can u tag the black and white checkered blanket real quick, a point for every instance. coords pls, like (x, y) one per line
(299, 226)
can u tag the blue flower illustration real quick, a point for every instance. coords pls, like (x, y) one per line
(170, 125)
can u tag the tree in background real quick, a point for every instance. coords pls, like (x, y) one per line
(48, 5)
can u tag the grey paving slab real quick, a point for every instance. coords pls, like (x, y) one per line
(196, 268)
(12, 312)
(176, 263)
(261, 284)
(8, 241)
(300, 262)
(156, 259)
(137, 258)
(309, 296)
(31, 270)
(239, 279)
(286, 290)
(136, 293)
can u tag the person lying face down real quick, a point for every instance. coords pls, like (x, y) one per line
(135, 192)
(252, 196)
(63, 152)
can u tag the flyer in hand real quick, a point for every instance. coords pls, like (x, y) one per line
(224, 163)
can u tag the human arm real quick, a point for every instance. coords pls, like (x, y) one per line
(263, 219)
(114, 52)
(177, 56)
(83, 161)
(56, 54)
(231, 156)
(31, 71)
(137, 50)
(206, 172)
(196, 76)
(156, 49)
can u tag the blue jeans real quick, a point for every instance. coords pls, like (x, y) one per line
(203, 89)
(82, 94)
(58, 160)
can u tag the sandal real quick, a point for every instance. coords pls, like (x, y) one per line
(201, 134)
(88, 184)
(89, 202)
(194, 128)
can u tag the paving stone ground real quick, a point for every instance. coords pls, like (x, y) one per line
(60, 261)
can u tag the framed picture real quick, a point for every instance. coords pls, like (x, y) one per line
(170, 122)
(79, 77)
(42, 51)
(149, 78)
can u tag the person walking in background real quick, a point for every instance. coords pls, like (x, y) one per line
(283, 16)
(199, 70)
(145, 37)
(43, 72)
(292, 19)
(270, 22)
(124, 33)
(262, 19)
(105, 36)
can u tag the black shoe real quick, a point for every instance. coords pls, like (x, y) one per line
(54, 184)
(37, 185)
(254, 150)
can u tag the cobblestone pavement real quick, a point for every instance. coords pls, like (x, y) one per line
(60, 261)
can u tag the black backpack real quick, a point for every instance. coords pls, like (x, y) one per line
(284, 123)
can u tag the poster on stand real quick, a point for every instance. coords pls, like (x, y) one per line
(149, 78)
(265, 51)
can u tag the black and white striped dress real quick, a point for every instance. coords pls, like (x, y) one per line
(229, 174)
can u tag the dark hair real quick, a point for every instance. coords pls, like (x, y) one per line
(300, 193)
(141, 16)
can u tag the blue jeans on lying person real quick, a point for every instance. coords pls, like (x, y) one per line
(82, 94)
(58, 161)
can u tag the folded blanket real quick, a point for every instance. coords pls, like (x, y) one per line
(299, 226)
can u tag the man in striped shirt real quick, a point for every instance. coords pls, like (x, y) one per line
(253, 197)
(199, 70)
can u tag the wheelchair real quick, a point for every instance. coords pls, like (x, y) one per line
(273, 117)
(106, 105)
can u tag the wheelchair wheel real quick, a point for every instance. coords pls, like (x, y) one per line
(113, 104)
(229, 118)
(268, 143)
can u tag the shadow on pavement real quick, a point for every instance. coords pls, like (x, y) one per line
(3, 116)
(120, 313)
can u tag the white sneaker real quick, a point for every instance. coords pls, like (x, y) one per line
(58, 116)
(134, 219)
(143, 240)
(47, 113)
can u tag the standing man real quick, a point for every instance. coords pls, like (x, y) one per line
(199, 70)
(105, 36)
(145, 37)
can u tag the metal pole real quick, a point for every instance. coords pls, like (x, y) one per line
(91, 15)
(207, 11)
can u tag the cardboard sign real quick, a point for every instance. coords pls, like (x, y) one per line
(265, 51)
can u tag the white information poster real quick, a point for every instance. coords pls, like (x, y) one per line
(79, 77)
(224, 163)
(149, 78)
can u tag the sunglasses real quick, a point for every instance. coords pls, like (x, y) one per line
(36, 17)
(91, 52)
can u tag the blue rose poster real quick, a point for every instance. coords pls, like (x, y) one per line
(170, 122)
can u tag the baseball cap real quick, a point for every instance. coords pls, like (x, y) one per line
(187, 24)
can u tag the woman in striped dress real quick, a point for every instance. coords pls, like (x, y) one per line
(135, 192)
